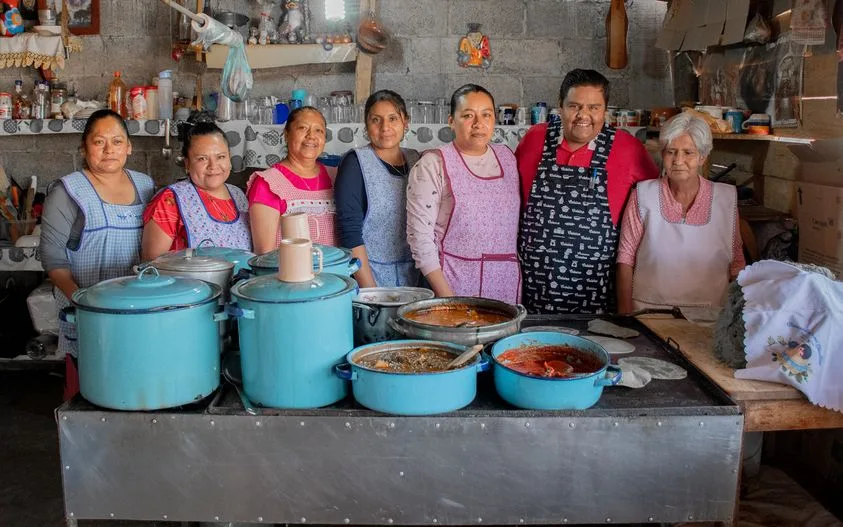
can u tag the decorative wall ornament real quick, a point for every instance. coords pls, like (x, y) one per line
(474, 50)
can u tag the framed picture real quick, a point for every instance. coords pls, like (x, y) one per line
(84, 15)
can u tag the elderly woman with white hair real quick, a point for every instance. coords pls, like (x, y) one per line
(680, 241)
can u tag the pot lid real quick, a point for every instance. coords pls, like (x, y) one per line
(270, 289)
(189, 260)
(330, 256)
(147, 290)
(392, 296)
(239, 257)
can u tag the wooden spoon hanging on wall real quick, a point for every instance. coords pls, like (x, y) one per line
(617, 25)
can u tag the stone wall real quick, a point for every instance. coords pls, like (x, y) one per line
(534, 42)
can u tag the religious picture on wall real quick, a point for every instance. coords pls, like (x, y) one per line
(719, 78)
(788, 96)
(474, 50)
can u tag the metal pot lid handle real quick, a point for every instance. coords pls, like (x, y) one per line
(209, 241)
(146, 269)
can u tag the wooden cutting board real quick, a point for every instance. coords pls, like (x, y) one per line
(696, 344)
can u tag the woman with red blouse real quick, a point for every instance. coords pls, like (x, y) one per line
(202, 207)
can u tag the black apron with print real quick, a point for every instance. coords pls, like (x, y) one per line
(567, 242)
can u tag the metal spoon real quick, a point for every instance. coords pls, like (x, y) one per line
(465, 356)
(167, 150)
(247, 404)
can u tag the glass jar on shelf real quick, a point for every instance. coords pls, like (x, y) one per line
(426, 112)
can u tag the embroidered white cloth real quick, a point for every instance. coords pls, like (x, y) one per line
(31, 49)
(794, 330)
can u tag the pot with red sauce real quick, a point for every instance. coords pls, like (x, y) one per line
(551, 371)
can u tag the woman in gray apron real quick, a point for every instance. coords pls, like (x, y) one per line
(92, 223)
(370, 192)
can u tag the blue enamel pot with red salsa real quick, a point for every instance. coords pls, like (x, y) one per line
(551, 371)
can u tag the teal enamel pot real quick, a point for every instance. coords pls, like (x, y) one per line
(401, 393)
(292, 334)
(334, 260)
(552, 393)
(147, 342)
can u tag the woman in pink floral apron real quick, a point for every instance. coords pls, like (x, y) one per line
(463, 207)
(298, 183)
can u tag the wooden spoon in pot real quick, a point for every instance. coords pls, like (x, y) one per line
(464, 357)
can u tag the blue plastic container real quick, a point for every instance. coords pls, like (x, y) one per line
(292, 334)
(550, 393)
(412, 393)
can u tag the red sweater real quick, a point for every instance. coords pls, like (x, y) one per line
(629, 162)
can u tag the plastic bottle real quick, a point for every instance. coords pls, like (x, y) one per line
(151, 102)
(21, 104)
(165, 95)
(40, 101)
(117, 92)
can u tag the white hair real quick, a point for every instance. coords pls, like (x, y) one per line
(694, 126)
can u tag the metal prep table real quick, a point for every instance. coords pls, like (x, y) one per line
(667, 452)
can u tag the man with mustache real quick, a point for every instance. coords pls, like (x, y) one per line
(576, 174)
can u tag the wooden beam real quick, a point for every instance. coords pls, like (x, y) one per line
(766, 416)
(365, 66)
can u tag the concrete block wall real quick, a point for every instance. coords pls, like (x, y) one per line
(534, 42)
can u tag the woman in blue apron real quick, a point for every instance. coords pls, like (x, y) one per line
(92, 223)
(370, 192)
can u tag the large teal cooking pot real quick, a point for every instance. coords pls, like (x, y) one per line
(147, 342)
(552, 393)
(334, 260)
(411, 393)
(292, 334)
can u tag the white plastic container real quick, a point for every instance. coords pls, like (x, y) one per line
(165, 95)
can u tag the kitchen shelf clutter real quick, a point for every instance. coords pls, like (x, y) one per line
(151, 127)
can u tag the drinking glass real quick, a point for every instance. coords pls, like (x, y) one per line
(442, 110)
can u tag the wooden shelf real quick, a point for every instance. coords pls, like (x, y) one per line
(280, 55)
(765, 138)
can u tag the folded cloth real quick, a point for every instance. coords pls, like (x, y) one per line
(794, 327)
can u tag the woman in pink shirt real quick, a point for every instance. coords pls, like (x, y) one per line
(680, 240)
(298, 183)
(463, 207)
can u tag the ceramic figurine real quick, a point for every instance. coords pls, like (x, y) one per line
(253, 35)
(292, 27)
(474, 50)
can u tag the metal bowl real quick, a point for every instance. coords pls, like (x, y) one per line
(231, 19)
(466, 336)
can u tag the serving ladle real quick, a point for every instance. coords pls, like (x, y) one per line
(234, 380)
(465, 356)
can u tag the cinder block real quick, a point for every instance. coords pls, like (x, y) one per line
(49, 166)
(551, 18)
(448, 47)
(162, 171)
(418, 18)
(498, 18)
(509, 57)
(134, 19)
(591, 19)
(538, 89)
(425, 56)
(504, 88)
(413, 87)
(397, 57)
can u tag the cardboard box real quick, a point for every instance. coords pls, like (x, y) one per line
(819, 203)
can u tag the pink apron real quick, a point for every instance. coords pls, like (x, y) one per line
(318, 204)
(478, 252)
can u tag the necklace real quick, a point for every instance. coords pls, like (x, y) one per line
(307, 181)
(402, 172)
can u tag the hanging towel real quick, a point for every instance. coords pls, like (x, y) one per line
(794, 330)
(808, 22)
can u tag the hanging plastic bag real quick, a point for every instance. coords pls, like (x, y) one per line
(236, 82)
(757, 31)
